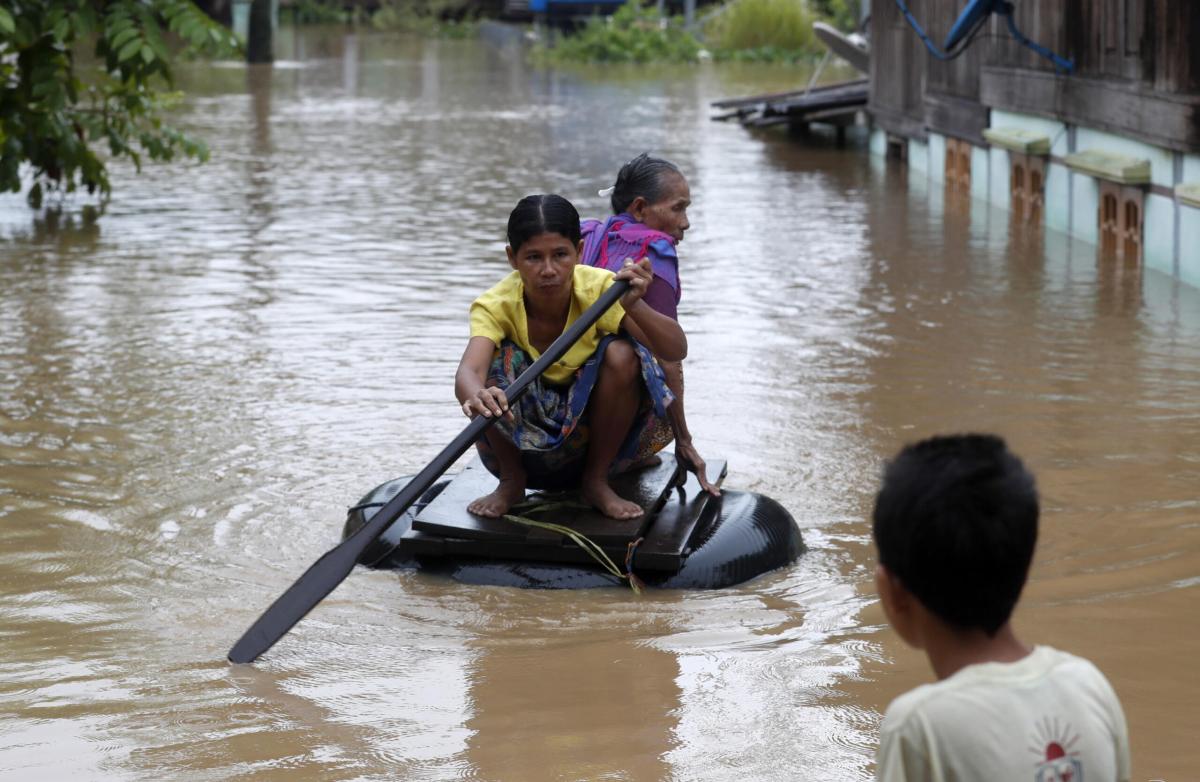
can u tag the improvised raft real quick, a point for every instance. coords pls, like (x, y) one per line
(688, 539)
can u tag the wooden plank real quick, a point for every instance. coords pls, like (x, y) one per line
(752, 100)
(898, 124)
(849, 96)
(559, 549)
(845, 115)
(447, 515)
(662, 551)
(672, 529)
(1174, 52)
(1130, 109)
(956, 117)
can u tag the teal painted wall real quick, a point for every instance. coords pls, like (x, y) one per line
(1084, 222)
(1189, 245)
(1057, 209)
(998, 175)
(981, 174)
(937, 158)
(878, 143)
(1158, 233)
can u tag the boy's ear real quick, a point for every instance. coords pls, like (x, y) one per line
(899, 606)
(579, 249)
(895, 598)
(512, 256)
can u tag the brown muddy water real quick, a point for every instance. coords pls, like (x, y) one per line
(194, 389)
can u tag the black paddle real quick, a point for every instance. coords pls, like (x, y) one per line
(330, 570)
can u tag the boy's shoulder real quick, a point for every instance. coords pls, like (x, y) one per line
(976, 686)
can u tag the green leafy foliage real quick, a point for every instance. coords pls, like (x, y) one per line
(634, 33)
(60, 113)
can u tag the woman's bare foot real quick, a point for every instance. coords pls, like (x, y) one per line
(605, 500)
(496, 504)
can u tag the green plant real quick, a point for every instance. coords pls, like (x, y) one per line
(319, 11)
(768, 25)
(56, 113)
(440, 18)
(634, 33)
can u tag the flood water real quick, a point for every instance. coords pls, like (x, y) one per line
(193, 389)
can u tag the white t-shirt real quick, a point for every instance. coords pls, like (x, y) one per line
(1048, 717)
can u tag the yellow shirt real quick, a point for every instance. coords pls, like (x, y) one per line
(500, 314)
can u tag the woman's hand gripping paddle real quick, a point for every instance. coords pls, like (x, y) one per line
(330, 570)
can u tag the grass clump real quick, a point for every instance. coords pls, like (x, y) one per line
(633, 34)
(763, 30)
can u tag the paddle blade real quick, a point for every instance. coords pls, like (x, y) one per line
(311, 588)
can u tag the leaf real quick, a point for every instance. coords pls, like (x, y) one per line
(62, 30)
(129, 49)
(147, 54)
(114, 26)
(123, 37)
(6, 22)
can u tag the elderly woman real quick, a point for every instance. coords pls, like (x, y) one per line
(649, 202)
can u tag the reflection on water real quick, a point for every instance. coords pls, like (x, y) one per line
(193, 388)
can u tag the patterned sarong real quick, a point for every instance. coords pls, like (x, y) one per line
(551, 426)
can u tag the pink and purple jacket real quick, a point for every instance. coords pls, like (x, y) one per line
(607, 244)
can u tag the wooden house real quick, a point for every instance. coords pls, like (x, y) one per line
(1109, 152)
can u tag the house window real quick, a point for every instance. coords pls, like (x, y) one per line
(1120, 221)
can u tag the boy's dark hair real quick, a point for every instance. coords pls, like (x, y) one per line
(956, 522)
(643, 176)
(542, 214)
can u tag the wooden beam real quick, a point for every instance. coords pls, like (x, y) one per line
(956, 117)
(1164, 119)
(898, 124)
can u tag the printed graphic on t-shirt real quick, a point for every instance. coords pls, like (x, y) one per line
(1055, 761)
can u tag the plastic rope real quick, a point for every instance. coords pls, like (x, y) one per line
(585, 543)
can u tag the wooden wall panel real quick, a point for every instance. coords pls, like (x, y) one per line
(1140, 56)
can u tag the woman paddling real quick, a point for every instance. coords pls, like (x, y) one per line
(649, 203)
(586, 415)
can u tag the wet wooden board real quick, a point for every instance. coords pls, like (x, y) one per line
(667, 539)
(447, 515)
(663, 550)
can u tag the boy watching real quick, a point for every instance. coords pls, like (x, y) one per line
(955, 523)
